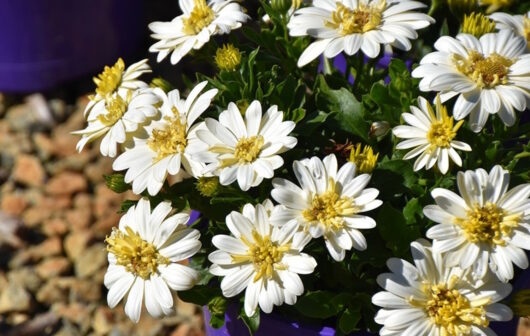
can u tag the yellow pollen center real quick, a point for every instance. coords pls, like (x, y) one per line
(487, 72)
(477, 24)
(207, 186)
(443, 130)
(363, 158)
(109, 80)
(526, 29)
(329, 208)
(360, 20)
(488, 224)
(248, 149)
(200, 17)
(115, 107)
(170, 140)
(138, 256)
(450, 310)
(265, 254)
(227, 57)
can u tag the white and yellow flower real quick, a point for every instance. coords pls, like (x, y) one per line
(347, 26)
(116, 79)
(487, 223)
(490, 75)
(260, 258)
(192, 29)
(246, 150)
(431, 299)
(519, 24)
(170, 143)
(145, 259)
(431, 135)
(117, 117)
(328, 203)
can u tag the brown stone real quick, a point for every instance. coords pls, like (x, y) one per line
(44, 145)
(13, 204)
(26, 277)
(78, 218)
(75, 162)
(95, 171)
(14, 298)
(85, 290)
(75, 312)
(103, 320)
(82, 201)
(52, 292)
(36, 215)
(56, 202)
(50, 247)
(66, 183)
(91, 261)
(54, 226)
(53, 267)
(104, 225)
(28, 170)
(76, 242)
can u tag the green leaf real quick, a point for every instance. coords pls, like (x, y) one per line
(394, 229)
(348, 320)
(412, 209)
(317, 305)
(199, 295)
(125, 205)
(217, 308)
(252, 322)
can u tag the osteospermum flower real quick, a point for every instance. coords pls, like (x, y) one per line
(260, 258)
(116, 78)
(170, 143)
(431, 136)
(192, 29)
(519, 24)
(348, 26)
(145, 255)
(431, 299)
(328, 203)
(116, 117)
(245, 150)
(486, 223)
(489, 75)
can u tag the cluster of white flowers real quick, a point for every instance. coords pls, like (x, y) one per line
(454, 285)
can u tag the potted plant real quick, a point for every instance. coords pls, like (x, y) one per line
(392, 202)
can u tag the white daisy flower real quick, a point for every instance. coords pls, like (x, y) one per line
(145, 256)
(116, 78)
(245, 150)
(431, 135)
(169, 145)
(262, 258)
(117, 117)
(328, 203)
(519, 24)
(192, 29)
(346, 25)
(486, 223)
(431, 299)
(490, 75)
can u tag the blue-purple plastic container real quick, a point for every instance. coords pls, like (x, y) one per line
(46, 42)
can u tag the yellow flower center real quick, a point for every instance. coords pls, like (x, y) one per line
(207, 186)
(228, 57)
(526, 29)
(109, 80)
(265, 254)
(450, 310)
(477, 24)
(363, 158)
(360, 20)
(138, 256)
(171, 139)
(329, 208)
(248, 149)
(487, 72)
(115, 107)
(488, 224)
(443, 130)
(200, 17)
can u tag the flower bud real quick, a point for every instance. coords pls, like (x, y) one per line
(227, 57)
(379, 128)
(281, 6)
(162, 84)
(116, 183)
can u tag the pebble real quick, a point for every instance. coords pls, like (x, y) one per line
(13, 204)
(52, 267)
(66, 183)
(76, 242)
(28, 170)
(14, 298)
(91, 260)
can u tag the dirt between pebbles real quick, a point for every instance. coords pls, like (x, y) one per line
(55, 212)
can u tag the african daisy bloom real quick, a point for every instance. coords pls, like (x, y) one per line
(260, 258)
(348, 26)
(246, 150)
(144, 259)
(169, 145)
(490, 75)
(328, 203)
(117, 78)
(486, 223)
(431, 135)
(431, 299)
(192, 29)
(519, 24)
(116, 117)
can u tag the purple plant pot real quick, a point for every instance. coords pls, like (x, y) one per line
(48, 42)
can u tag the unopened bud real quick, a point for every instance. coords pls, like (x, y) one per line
(379, 129)
(162, 84)
(116, 183)
(281, 6)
